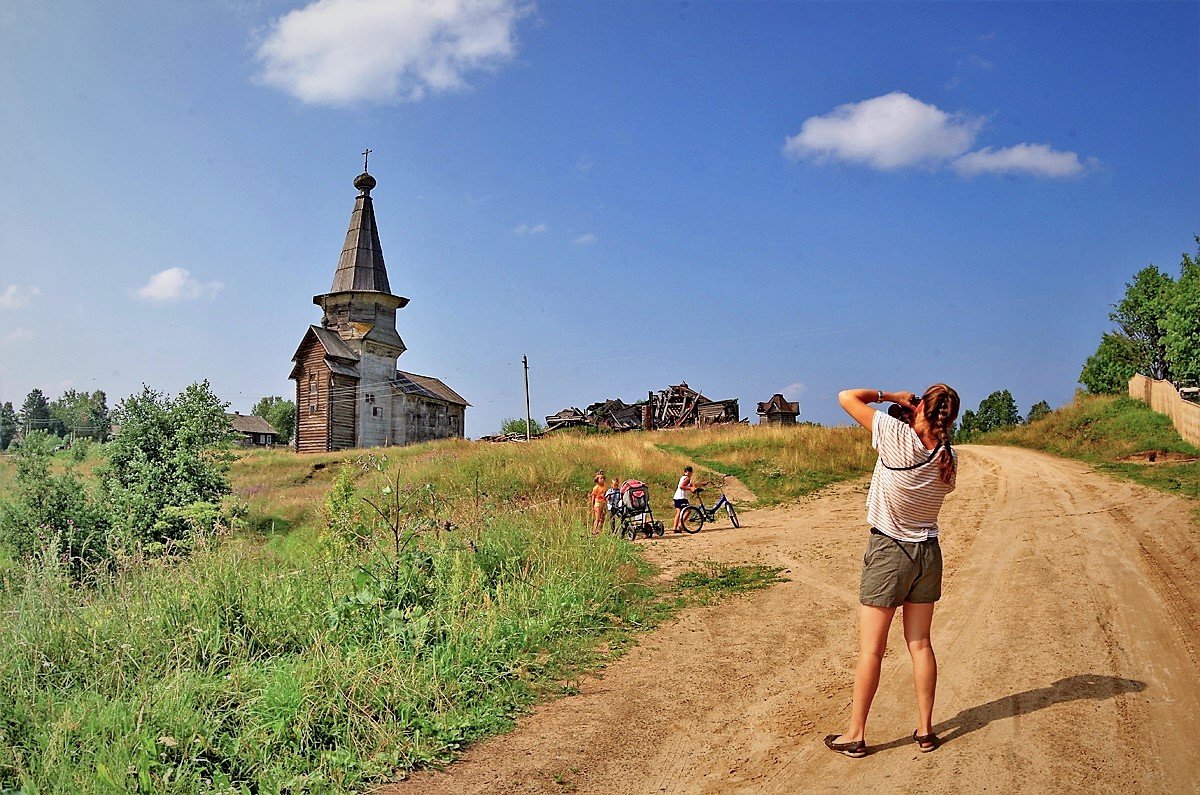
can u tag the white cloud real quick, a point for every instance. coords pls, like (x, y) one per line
(16, 336)
(586, 239)
(896, 130)
(793, 391)
(177, 284)
(17, 297)
(528, 229)
(886, 132)
(1037, 159)
(336, 52)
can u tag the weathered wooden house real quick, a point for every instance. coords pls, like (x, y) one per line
(778, 411)
(252, 430)
(348, 390)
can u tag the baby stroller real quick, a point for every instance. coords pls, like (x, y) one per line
(630, 511)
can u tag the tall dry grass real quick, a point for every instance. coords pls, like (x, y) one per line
(777, 464)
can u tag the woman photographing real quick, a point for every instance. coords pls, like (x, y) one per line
(903, 563)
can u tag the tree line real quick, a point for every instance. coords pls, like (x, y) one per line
(1157, 331)
(85, 415)
(997, 411)
(75, 414)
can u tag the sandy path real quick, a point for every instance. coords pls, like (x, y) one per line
(1067, 640)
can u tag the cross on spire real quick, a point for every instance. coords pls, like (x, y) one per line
(366, 153)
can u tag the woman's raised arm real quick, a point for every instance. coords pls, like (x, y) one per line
(856, 402)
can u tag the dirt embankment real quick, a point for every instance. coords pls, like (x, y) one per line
(1067, 639)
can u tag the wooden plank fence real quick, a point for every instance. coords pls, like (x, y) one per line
(1163, 397)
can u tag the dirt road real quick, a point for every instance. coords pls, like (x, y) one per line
(1067, 640)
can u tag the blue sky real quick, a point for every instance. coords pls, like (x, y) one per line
(751, 197)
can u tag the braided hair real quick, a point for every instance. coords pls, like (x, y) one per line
(940, 406)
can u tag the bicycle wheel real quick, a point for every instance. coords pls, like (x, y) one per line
(732, 514)
(692, 519)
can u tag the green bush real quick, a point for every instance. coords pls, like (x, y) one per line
(517, 425)
(80, 448)
(52, 513)
(169, 453)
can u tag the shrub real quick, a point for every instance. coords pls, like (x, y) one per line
(1038, 411)
(55, 513)
(169, 453)
(80, 449)
(517, 425)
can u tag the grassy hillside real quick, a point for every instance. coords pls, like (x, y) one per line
(316, 651)
(778, 464)
(1115, 434)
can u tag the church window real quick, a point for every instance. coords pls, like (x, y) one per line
(312, 393)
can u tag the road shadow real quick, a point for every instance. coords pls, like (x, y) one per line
(1071, 688)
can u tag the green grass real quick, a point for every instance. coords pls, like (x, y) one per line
(1103, 430)
(234, 670)
(715, 580)
(285, 659)
(779, 464)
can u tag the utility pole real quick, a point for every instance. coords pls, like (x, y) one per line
(528, 421)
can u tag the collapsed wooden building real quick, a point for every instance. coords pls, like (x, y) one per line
(677, 406)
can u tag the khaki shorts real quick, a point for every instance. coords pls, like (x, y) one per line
(895, 572)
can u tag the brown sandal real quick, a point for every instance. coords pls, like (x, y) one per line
(854, 750)
(931, 740)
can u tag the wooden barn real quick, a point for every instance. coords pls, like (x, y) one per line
(348, 390)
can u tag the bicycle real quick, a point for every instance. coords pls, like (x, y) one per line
(694, 516)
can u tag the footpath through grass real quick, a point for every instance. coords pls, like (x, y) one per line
(316, 650)
(1111, 433)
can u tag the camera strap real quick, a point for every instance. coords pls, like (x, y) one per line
(932, 456)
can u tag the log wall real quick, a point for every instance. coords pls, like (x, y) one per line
(342, 411)
(312, 411)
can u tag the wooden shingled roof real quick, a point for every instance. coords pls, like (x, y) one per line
(338, 356)
(360, 266)
(249, 423)
(778, 405)
(427, 386)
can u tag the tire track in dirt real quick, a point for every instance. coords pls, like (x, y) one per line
(1066, 640)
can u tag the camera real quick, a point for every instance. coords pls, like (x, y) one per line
(901, 412)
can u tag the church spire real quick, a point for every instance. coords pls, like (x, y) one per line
(361, 264)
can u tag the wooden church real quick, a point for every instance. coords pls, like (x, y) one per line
(348, 390)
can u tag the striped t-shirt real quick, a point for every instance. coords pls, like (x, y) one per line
(904, 505)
